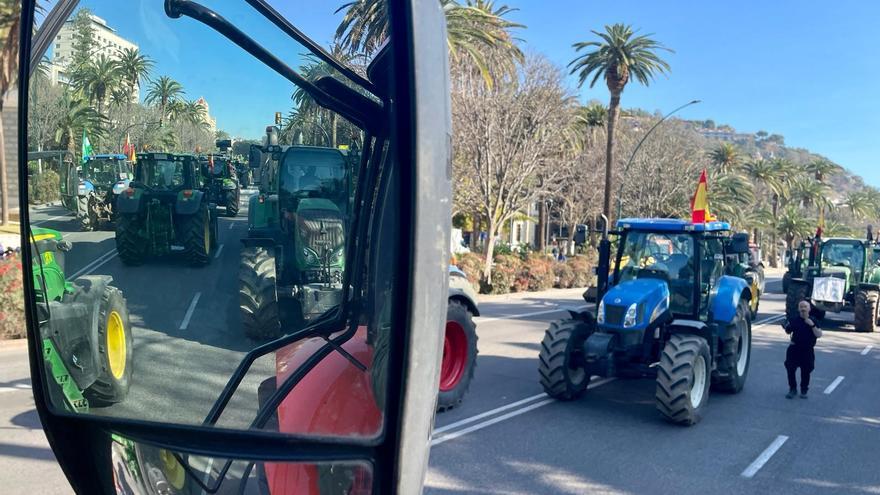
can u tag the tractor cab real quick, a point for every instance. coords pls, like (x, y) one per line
(105, 172)
(165, 173)
(220, 181)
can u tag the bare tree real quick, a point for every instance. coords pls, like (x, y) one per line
(505, 136)
(579, 199)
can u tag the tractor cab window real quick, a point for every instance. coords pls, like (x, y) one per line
(846, 258)
(104, 170)
(668, 257)
(314, 173)
(163, 174)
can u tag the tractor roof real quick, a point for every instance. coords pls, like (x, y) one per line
(842, 239)
(155, 155)
(113, 156)
(670, 225)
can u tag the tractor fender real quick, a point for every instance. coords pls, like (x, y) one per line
(266, 242)
(727, 296)
(869, 286)
(129, 204)
(690, 327)
(460, 296)
(188, 205)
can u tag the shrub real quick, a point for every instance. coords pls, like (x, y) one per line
(504, 274)
(538, 269)
(582, 268)
(12, 323)
(45, 187)
(565, 275)
(472, 266)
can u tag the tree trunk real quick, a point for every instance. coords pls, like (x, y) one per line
(333, 121)
(4, 182)
(490, 248)
(539, 239)
(774, 248)
(613, 111)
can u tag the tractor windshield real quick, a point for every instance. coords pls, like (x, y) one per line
(163, 174)
(843, 256)
(315, 172)
(666, 256)
(104, 170)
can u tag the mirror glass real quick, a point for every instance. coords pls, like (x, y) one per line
(175, 228)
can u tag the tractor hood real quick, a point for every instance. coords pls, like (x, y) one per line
(316, 204)
(837, 272)
(634, 304)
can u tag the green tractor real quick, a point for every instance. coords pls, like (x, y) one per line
(87, 342)
(165, 209)
(795, 265)
(840, 273)
(295, 245)
(748, 266)
(221, 182)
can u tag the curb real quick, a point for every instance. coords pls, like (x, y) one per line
(544, 294)
(13, 344)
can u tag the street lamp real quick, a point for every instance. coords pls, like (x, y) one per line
(636, 150)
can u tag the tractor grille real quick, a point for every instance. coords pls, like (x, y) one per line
(614, 315)
(321, 228)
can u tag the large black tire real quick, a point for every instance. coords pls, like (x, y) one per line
(197, 233)
(114, 379)
(232, 203)
(786, 281)
(131, 247)
(683, 380)
(735, 353)
(215, 229)
(865, 310)
(560, 363)
(258, 301)
(461, 332)
(88, 220)
(796, 293)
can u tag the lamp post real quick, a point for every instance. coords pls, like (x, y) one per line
(636, 150)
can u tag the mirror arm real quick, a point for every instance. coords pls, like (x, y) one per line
(177, 8)
(272, 15)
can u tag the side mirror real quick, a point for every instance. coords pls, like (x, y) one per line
(739, 244)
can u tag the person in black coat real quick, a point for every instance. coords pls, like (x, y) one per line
(804, 332)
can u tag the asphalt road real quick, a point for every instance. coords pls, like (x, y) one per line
(507, 437)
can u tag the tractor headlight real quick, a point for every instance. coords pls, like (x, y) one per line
(310, 256)
(600, 314)
(629, 320)
(119, 187)
(81, 190)
(337, 256)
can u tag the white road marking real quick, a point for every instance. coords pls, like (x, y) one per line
(834, 384)
(765, 456)
(231, 224)
(219, 250)
(21, 386)
(767, 321)
(94, 265)
(189, 311)
(867, 349)
(479, 426)
(523, 315)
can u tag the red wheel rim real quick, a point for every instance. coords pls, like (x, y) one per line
(455, 353)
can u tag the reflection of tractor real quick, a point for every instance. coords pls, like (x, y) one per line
(87, 342)
(163, 208)
(221, 182)
(299, 217)
(675, 316)
(65, 163)
(749, 267)
(840, 273)
(796, 264)
(102, 178)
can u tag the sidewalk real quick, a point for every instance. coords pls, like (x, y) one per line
(544, 294)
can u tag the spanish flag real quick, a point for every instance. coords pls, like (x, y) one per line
(700, 202)
(128, 150)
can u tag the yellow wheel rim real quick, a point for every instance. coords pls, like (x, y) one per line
(172, 469)
(116, 344)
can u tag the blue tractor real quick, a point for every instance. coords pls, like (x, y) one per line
(667, 311)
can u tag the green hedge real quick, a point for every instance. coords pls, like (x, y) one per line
(44, 188)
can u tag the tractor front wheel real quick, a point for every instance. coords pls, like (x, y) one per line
(561, 363)
(197, 237)
(797, 292)
(115, 346)
(232, 203)
(129, 244)
(866, 310)
(88, 219)
(459, 356)
(258, 301)
(683, 379)
(736, 353)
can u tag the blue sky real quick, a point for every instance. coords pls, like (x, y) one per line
(755, 65)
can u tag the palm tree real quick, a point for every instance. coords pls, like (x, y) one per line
(791, 224)
(725, 157)
(77, 115)
(773, 177)
(133, 67)
(857, 202)
(97, 80)
(822, 169)
(618, 56)
(475, 31)
(162, 92)
(732, 193)
(807, 193)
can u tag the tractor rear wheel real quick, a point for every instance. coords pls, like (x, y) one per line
(232, 203)
(130, 246)
(735, 353)
(459, 356)
(115, 345)
(796, 293)
(197, 235)
(866, 310)
(683, 379)
(258, 301)
(786, 281)
(560, 362)
(88, 219)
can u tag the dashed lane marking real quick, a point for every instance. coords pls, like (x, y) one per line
(189, 311)
(834, 384)
(219, 250)
(765, 456)
(867, 349)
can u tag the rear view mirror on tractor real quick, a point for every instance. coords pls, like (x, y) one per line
(191, 335)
